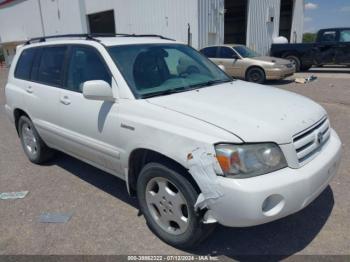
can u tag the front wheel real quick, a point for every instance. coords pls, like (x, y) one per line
(167, 201)
(256, 75)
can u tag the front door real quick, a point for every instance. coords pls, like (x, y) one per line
(343, 48)
(90, 127)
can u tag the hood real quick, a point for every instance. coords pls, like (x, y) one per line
(254, 113)
(271, 59)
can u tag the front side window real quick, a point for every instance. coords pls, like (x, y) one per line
(226, 53)
(51, 65)
(246, 52)
(24, 65)
(160, 69)
(344, 36)
(85, 65)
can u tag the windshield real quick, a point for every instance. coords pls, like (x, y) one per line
(246, 52)
(159, 69)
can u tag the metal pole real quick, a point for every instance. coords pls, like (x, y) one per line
(189, 34)
(41, 18)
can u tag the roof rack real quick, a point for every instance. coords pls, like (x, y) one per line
(43, 38)
(92, 36)
(128, 35)
(147, 35)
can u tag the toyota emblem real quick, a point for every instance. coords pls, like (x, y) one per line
(319, 138)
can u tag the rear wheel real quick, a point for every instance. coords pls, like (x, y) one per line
(167, 201)
(295, 61)
(256, 75)
(34, 147)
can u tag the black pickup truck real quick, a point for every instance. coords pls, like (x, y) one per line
(332, 47)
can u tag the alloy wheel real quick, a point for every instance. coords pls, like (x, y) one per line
(29, 140)
(167, 205)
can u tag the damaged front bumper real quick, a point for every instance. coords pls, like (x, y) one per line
(258, 200)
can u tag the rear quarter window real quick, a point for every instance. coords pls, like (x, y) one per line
(24, 64)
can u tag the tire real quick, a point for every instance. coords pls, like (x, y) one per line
(160, 207)
(295, 61)
(33, 146)
(256, 75)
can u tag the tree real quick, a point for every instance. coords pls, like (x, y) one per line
(309, 37)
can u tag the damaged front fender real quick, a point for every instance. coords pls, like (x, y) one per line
(204, 168)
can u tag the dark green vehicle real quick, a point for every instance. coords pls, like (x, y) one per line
(332, 47)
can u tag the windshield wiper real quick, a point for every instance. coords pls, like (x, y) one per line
(186, 88)
(211, 83)
(165, 92)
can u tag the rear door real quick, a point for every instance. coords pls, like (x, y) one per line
(90, 127)
(325, 50)
(43, 89)
(343, 48)
(229, 58)
(212, 53)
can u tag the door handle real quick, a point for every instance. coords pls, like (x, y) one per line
(29, 89)
(65, 100)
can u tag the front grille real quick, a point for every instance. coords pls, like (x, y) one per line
(308, 142)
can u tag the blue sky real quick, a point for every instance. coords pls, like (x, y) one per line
(326, 13)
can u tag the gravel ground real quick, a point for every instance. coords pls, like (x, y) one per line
(105, 220)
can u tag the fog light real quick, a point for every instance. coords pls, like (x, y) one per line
(273, 205)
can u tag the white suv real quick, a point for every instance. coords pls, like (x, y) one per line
(195, 146)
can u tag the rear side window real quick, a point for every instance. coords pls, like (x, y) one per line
(85, 64)
(210, 52)
(329, 36)
(51, 65)
(24, 65)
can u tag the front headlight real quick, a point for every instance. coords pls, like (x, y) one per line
(248, 160)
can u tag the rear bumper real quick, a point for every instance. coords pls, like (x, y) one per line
(258, 200)
(277, 73)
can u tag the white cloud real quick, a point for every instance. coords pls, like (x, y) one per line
(345, 9)
(311, 6)
(307, 19)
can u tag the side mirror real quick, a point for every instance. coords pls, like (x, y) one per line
(222, 67)
(98, 90)
(235, 57)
